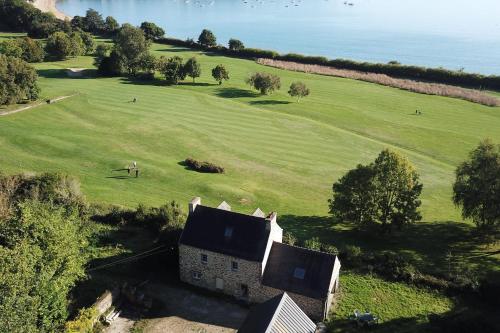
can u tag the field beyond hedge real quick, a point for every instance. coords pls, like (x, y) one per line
(277, 154)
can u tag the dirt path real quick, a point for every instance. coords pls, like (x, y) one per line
(187, 311)
(34, 105)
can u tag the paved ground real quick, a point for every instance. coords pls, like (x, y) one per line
(185, 311)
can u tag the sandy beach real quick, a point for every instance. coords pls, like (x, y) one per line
(50, 6)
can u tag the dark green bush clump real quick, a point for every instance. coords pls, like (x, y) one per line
(207, 167)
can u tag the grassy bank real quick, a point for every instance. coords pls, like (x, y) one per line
(278, 155)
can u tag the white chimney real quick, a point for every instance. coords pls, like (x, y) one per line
(194, 202)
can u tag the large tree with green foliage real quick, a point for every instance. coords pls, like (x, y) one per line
(132, 46)
(192, 68)
(18, 81)
(220, 73)
(59, 45)
(207, 38)
(11, 48)
(236, 44)
(32, 49)
(152, 31)
(264, 82)
(386, 191)
(41, 245)
(111, 25)
(172, 69)
(93, 21)
(477, 186)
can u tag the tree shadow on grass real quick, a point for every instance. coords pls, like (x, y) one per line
(197, 84)
(120, 177)
(425, 243)
(177, 49)
(62, 73)
(144, 82)
(235, 93)
(269, 102)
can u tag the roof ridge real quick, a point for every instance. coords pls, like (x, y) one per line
(233, 212)
(307, 249)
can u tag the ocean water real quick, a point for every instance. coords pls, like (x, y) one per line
(455, 34)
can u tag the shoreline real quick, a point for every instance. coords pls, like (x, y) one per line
(49, 6)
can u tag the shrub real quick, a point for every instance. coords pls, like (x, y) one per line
(84, 322)
(207, 39)
(313, 244)
(235, 45)
(203, 166)
(18, 81)
(289, 238)
(220, 73)
(264, 82)
(351, 255)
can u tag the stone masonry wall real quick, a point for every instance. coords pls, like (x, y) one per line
(219, 266)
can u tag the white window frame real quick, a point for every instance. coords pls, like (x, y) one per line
(232, 266)
(196, 275)
(204, 255)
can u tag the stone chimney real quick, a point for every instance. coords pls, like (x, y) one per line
(272, 217)
(224, 206)
(194, 202)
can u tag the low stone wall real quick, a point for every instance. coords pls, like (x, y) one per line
(106, 300)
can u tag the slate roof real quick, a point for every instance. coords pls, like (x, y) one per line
(208, 228)
(280, 314)
(285, 261)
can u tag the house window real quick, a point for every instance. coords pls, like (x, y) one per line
(228, 232)
(196, 275)
(204, 258)
(299, 273)
(234, 266)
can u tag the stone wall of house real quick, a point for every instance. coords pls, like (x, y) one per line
(219, 266)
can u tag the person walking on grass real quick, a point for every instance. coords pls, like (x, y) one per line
(136, 173)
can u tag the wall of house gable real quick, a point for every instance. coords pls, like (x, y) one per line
(314, 308)
(275, 235)
(219, 266)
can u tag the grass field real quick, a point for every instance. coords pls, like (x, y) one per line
(279, 154)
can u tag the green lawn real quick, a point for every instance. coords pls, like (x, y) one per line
(279, 155)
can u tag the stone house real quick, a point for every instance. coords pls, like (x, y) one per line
(243, 256)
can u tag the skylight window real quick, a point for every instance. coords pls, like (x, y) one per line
(228, 233)
(299, 273)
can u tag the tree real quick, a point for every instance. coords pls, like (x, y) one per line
(354, 196)
(172, 69)
(88, 43)
(264, 82)
(101, 52)
(220, 73)
(148, 64)
(111, 25)
(112, 65)
(236, 45)
(32, 50)
(299, 90)
(207, 38)
(11, 48)
(40, 261)
(78, 23)
(152, 31)
(477, 186)
(385, 192)
(192, 68)
(59, 45)
(93, 21)
(77, 46)
(131, 45)
(397, 190)
(18, 81)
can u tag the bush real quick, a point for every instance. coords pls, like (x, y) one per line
(351, 255)
(289, 238)
(203, 166)
(84, 322)
(18, 81)
(313, 244)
